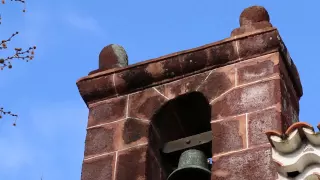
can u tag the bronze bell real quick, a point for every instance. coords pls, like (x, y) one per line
(192, 165)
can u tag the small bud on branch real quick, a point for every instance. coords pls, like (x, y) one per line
(3, 44)
(21, 1)
(26, 55)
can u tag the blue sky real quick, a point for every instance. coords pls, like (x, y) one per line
(49, 138)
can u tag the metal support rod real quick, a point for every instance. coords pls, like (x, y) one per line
(187, 142)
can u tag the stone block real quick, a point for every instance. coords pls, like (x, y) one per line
(218, 82)
(229, 135)
(101, 140)
(249, 164)
(135, 131)
(132, 164)
(259, 44)
(107, 111)
(247, 99)
(194, 61)
(258, 69)
(144, 104)
(222, 53)
(100, 168)
(182, 86)
(261, 122)
(93, 90)
(116, 136)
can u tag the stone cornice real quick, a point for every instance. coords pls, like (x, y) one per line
(119, 81)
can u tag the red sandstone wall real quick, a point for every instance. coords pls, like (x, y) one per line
(247, 99)
(250, 85)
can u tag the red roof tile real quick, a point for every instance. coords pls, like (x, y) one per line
(296, 151)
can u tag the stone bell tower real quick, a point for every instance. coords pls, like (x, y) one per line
(219, 98)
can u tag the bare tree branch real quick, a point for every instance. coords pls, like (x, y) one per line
(3, 112)
(20, 1)
(19, 54)
(3, 44)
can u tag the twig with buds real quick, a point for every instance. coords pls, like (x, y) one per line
(3, 44)
(3, 112)
(20, 1)
(26, 55)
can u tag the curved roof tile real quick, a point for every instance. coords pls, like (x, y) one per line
(311, 173)
(292, 139)
(296, 151)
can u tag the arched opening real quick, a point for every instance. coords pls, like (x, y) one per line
(184, 116)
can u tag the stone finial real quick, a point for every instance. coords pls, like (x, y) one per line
(251, 19)
(113, 56)
(254, 14)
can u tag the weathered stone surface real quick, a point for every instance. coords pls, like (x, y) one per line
(164, 69)
(251, 28)
(251, 19)
(132, 164)
(229, 134)
(247, 99)
(133, 79)
(194, 61)
(101, 140)
(261, 122)
(182, 86)
(258, 68)
(289, 105)
(108, 111)
(107, 84)
(218, 82)
(254, 14)
(100, 168)
(155, 141)
(291, 69)
(113, 56)
(288, 89)
(250, 164)
(258, 44)
(96, 89)
(131, 132)
(144, 104)
(135, 130)
(222, 53)
(116, 136)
